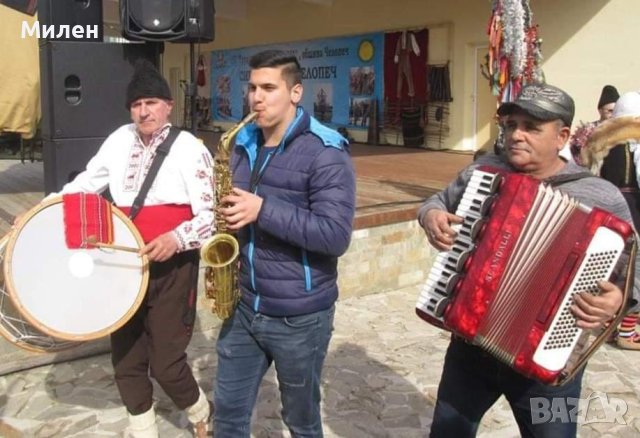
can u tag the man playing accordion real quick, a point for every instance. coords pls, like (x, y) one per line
(537, 125)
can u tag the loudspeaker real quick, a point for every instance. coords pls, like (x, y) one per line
(83, 86)
(26, 6)
(179, 21)
(63, 159)
(72, 13)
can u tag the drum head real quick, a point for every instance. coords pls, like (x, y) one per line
(73, 294)
(16, 329)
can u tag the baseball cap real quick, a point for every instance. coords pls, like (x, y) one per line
(543, 102)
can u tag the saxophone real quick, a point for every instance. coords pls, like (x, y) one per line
(220, 252)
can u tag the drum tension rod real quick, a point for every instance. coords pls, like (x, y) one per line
(93, 240)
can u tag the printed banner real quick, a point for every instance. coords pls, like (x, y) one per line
(340, 78)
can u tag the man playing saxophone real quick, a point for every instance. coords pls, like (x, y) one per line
(292, 207)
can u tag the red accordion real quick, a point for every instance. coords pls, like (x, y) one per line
(521, 253)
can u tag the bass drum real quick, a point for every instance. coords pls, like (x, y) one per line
(72, 294)
(16, 329)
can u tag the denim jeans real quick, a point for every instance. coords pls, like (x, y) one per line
(247, 345)
(471, 383)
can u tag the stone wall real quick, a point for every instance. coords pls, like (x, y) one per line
(384, 258)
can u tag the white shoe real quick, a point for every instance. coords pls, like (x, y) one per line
(198, 414)
(142, 425)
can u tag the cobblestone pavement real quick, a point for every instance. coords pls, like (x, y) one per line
(380, 380)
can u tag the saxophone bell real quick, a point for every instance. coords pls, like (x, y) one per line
(219, 250)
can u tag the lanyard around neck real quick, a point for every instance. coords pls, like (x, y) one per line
(260, 166)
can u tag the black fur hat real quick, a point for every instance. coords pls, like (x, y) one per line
(146, 82)
(609, 95)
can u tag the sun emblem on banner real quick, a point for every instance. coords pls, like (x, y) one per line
(365, 50)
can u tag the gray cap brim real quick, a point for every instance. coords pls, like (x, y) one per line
(536, 111)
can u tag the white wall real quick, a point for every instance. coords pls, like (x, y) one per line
(586, 43)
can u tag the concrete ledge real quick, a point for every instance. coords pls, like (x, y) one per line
(385, 217)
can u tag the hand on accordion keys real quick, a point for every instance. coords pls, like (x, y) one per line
(594, 310)
(437, 226)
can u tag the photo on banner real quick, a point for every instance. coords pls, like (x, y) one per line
(341, 77)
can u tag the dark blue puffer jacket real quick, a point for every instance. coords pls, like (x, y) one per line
(289, 256)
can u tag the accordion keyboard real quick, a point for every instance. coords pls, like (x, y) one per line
(444, 273)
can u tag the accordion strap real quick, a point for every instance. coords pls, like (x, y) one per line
(581, 361)
(557, 180)
(553, 181)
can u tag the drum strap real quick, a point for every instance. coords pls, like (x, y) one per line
(161, 152)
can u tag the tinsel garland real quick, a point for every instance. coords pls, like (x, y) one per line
(514, 52)
(514, 45)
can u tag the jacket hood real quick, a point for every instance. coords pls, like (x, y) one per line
(250, 136)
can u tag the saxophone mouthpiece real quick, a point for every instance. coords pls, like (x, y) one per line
(250, 117)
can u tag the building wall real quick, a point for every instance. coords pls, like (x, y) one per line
(584, 42)
(597, 48)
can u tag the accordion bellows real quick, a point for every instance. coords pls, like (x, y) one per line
(521, 253)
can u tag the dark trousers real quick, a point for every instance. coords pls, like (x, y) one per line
(154, 341)
(472, 381)
(633, 200)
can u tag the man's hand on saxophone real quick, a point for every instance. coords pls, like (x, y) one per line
(243, 209)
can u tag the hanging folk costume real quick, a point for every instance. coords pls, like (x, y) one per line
(405, 46)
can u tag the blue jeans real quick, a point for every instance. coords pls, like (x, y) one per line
(247, 345)
(471, 383)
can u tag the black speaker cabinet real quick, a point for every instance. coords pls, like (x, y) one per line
(179, 21)
(83, 86)
(72, 13)
(63, 159)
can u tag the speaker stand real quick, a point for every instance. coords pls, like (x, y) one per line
(190, 95)
(194, 89)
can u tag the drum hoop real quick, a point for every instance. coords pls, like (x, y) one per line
(4, 332)
(9, 285)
